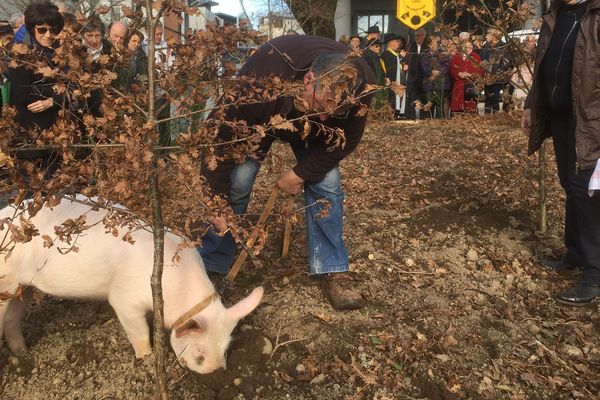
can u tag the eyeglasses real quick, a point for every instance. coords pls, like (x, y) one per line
(42, 30)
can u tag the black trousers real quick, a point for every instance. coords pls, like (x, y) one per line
(582, 212)
(492, 98)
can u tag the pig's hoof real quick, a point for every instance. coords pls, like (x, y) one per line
(17, 347)
(142, 349)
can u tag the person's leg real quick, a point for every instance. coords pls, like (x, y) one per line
(218, 251)
(564, 149)
(588, 234)
(489, 99)
(410, 100)
(588, 226)
(327, 254)
(324, 218)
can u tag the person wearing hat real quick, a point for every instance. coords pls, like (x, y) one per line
(372, 56)
(6, 33)
(373, 33)
(394, 59)
(355, 42)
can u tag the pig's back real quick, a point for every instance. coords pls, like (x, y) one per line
(100, 260)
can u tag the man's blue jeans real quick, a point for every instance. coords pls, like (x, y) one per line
(326, 250)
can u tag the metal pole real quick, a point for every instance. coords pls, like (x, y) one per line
(269, 19)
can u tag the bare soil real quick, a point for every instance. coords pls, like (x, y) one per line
(441, 224)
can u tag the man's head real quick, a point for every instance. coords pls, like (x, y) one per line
(331, 79)
(71, 28)
(6, 33)
(373, 45)
(373, 32)
(464, 37)
(117, 34)
(135, 40)
(355, 42)
(434, 42)
(16, 20)
(158, 33)
(394, 42)
(92, 33)
(420, 36)
(493, 36)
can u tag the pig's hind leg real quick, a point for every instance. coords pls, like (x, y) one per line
(15, 310)
(135, 324)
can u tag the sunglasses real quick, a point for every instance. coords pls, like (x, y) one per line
(42, 30)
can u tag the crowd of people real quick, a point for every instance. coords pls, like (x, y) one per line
(43, 27)
(446, 74)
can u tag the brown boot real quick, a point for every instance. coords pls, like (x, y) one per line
(338, 288)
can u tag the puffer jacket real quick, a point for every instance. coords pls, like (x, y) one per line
(585, 87)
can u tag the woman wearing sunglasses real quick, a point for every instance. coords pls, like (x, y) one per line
(32, 94)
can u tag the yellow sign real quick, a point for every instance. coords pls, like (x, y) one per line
(415, 13)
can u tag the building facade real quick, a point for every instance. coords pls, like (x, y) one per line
(355, 17)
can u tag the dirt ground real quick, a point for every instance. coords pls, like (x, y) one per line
(441, 225)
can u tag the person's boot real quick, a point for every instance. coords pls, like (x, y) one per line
(338, 289)
(562, 265)
(580, 295)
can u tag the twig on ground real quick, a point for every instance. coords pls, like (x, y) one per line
(278, 345)
(553, 354)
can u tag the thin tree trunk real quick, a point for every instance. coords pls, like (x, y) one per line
(542, 188)
(162, 389)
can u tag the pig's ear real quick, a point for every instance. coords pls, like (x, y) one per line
(189, 327)
(245, 306)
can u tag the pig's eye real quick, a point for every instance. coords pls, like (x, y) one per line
(200, 360)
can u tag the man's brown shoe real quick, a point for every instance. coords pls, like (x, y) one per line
(340, 293)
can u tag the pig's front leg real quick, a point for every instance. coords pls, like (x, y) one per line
(12, 321)
(135, 325)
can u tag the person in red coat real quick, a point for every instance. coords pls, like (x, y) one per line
(465, 67)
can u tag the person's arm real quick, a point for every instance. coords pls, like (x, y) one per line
(455, 67)
(219, 178)
(322, 159)
(37, 97)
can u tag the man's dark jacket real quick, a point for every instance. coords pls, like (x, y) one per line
(289, 57)
(415, 73)
(585, 87)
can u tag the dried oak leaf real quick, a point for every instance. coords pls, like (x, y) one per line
(278, 122)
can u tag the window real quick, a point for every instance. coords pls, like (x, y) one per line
(363, 22)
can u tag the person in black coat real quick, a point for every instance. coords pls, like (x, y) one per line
(394, 58)
(414, 89)
(32, 94)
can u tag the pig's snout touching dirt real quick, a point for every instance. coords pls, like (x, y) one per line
(201, 343)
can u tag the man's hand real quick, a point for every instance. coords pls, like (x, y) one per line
(289, 182)
(526, 121)
(40, 105)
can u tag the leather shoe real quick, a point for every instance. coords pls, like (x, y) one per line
(579, 295)
(560, 265)
(340, 293)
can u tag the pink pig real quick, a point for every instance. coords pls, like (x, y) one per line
(106, 267)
